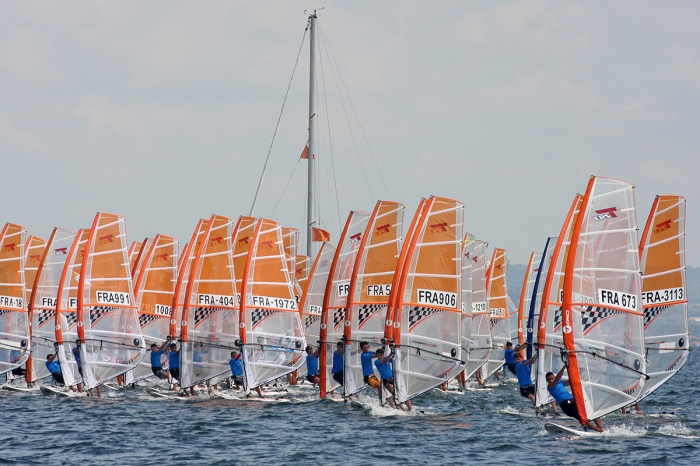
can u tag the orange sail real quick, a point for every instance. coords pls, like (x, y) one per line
(549, 339)
(14, 325)
(271, 333)
(108, 326)
(133, 254)
(497, 301)
(66, 317)
(370, 288)
(336, 295)
(153, 291)
(210, 309)
(664, 291)
(428, 300)
(42, 301)
(602, 315)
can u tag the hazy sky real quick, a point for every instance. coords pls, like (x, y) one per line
(163, 112)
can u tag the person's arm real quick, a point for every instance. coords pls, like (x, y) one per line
(531, 360)
(558, 378)
(386, 359)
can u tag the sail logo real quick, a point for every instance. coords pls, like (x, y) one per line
(216, 241)
(105, 239)
(437, 298)
(663, 296)
(355, 238)
(324, 263)
(438, 228)
(113, 297)
(266, 245)
(11, 302)
(34, 258)
(382, 229)
(475, 260)
(243, 241)
(663, 226)
(343, 288)
(618, 299)
(81, 252)
(299, 271)
(499, 266)
(378, 290)
(9, 247)
(605, 214)
(160, 257)
(59, 251)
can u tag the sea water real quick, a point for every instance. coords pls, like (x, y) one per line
(493, 426)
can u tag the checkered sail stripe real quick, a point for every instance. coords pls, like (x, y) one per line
(310, 320)
(3, 312)
(592, 316)
(557, 317)
(493, 322)
(145, 319)
(416, 314)
(229, 314)
(338, 317)
(98, 312)
(71, 318)
(259, 314)
(367, 311)
(202, 313)
(45, 315)
(651, 312)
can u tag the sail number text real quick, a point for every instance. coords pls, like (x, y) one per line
(113, 297)
(11, 302)
(663, 296)
(280, 303)
(439, 298)
(617, 298)
(216, 300)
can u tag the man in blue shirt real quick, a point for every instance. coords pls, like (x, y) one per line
(523, 371)
(312, 366)
(174, 365)
(367, 370)
(383, 364)
(337, 369)
(76, 356)
(555, 387)
(156, 364)
(54, 368)
(236, 370)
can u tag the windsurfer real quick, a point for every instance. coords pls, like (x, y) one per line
(337, 369)
(18, 371)
(555, 386)
(174, 365)
(510, 351)
(156, 365)
(312, 366)
(54, 368)
(523, 371)
(236, 370)
(367, 369)
(383, 364)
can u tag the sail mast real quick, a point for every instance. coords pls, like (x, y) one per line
(310, 177)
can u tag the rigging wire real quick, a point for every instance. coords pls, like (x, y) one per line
(352, 133)
(352, 105)
(330, 139)
(279, 119)
(284, 189)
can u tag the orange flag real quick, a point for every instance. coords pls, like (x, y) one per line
(305, 153)
(320, 235)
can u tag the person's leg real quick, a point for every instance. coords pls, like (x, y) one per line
(409, 405)
(595, 424)
(638, 408)
(259, 391)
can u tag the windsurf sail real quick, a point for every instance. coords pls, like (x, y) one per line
(209, 329)
(664, 291)
(108, 324)
(301, 271)
(534, 303)
(427, 342)
(467, 250)
(480, 346)
(526, 294)
(290, 239)
(312, 300)
(497, 300)
(66, 316)
(153, 291)
(602, 315)
(272, 336)
(33, 250)
(14, 325)
(336, 295)
(370, 288)
(549, 339)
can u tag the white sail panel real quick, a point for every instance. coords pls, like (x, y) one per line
(14, 325)
(499, 315)
(481, 345)
(467, 251)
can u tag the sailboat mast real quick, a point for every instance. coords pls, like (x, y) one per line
(310, 177)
